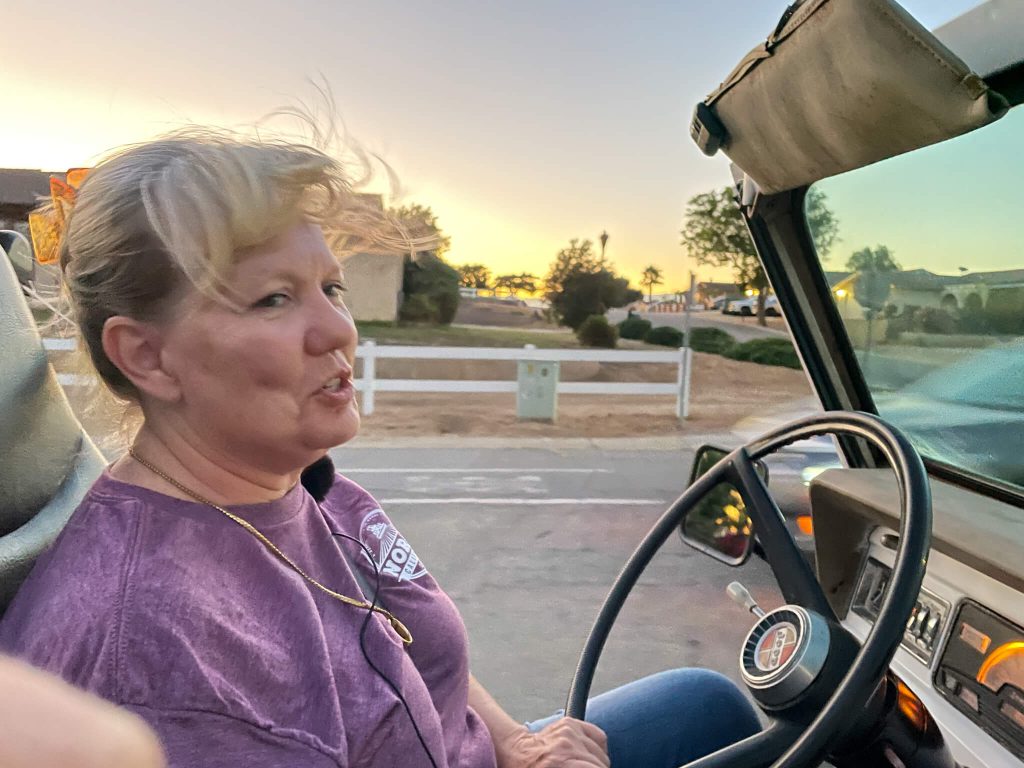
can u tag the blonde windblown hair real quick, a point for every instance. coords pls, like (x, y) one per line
(155, 217)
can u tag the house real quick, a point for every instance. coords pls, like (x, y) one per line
(706, 292)
(373, 276)
(920, 288)
(20, 192)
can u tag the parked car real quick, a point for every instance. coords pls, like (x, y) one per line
(747, 306)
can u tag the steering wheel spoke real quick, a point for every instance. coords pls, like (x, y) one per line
(796, 579)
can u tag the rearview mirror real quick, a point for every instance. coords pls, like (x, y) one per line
(718, 524)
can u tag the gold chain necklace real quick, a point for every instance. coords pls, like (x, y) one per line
(397, 625)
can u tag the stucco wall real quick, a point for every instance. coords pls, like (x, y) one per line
(374, 283)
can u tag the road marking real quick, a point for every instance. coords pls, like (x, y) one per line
(514, 502)
(468, 470)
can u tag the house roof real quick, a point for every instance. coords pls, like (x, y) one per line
(921, 280)
(999, 277)
(836, 277)
(23, 187)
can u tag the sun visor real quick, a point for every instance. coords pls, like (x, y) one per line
(838, 85)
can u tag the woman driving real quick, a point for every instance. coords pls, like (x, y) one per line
(219, 579)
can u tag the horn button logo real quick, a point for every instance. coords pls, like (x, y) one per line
(776, 647)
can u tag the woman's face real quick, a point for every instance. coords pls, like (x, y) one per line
(269, 384)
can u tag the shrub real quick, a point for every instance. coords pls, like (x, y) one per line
(664, 335)
(634, 328)
(935, 320)
(973, 320)
(713, 340)
(1004, 311)
(595, 331)
(428, 276)
(765, 352)
(583, 294)
(418, 308)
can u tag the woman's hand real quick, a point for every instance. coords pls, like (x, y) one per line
(566, 743)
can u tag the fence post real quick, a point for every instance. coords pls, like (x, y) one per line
(683, 380)
(369, 375)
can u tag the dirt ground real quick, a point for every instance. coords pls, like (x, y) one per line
(722, 391)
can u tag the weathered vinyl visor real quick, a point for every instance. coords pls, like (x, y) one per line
(838, 85)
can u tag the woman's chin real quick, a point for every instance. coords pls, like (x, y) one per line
(338, 432)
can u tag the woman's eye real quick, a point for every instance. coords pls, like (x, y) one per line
(271, 301)
(335, 290)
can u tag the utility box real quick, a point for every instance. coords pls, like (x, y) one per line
(537, 395)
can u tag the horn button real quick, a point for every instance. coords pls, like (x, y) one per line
(784, 654)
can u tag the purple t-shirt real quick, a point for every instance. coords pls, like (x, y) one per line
(177, 613)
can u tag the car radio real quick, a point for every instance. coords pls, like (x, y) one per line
(926, 622)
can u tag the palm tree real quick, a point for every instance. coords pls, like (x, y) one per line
(651, 278)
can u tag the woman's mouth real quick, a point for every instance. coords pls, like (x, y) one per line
(339, 390)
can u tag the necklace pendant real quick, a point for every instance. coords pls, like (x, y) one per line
(402, 630)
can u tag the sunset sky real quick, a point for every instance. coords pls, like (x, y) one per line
(521, 124)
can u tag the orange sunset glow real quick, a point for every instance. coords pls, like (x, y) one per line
(521, 126)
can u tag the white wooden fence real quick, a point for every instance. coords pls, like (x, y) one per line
(370, 383)
(371, 352)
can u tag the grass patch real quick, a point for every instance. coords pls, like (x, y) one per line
(463, 336)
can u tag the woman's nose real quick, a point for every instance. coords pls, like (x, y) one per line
(330, 327)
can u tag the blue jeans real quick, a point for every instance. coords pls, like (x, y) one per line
(668, 719)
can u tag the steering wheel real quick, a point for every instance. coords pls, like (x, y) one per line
(809, 696)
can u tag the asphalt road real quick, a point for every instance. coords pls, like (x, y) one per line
(742, 328)
(528, 541)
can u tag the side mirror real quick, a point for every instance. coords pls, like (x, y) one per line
(718, 524)
(18, 249)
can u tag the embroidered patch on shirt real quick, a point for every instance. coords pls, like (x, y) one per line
(394, 556)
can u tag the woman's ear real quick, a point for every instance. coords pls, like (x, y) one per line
(135, 347)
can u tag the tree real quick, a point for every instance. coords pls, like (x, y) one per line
(651, 278)
(580, 284)
(504, 283)
(418, 222)
(714, 232)
(514, 284)
(878, 259)
(591, 293)
(474, 276)
(821, 221)
(578, 257)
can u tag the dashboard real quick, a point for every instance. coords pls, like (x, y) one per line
(962, 651)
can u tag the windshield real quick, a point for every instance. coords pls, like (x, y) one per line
(927, 274)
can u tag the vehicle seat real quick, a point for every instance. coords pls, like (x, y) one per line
(47, 461)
